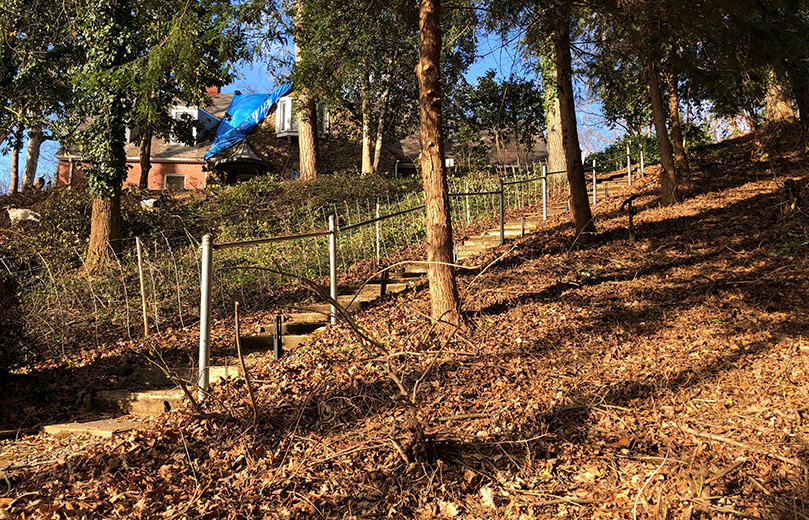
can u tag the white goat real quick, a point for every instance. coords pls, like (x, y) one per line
(17, 215)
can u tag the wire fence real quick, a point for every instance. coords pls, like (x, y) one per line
(61, 303)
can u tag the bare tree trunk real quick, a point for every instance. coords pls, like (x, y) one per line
(676, 131)
(802, 97)
(780, 109)
(367, 161)
(105, 233)
(145, 154)
(308, 144)
(35, 139)
(579, 198)
(14, 175)
(556, 152)
(444, 301)
(383, 113)
(668, 177)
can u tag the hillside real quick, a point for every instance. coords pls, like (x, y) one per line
(661, 378)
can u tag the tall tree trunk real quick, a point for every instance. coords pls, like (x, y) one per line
(105, 233)
(308, 145)
(35, 139)
(14, 175)
(145, 154)
(383, 114)
(308, 142)
(367, 161)
(802, 97)
(780, 109)
(668, 177)
(444, 301)
(680, 157)
(556, 152)
(579, 199)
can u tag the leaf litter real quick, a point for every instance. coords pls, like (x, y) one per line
(655, 379)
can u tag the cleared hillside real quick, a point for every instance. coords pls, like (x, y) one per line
(660, 378)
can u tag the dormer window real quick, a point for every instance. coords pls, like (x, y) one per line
(286, 120)
(191, 114)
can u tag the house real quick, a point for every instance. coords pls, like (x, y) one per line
(245, 135)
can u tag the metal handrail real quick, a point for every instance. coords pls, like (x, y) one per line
(380, 219)
(260, 241)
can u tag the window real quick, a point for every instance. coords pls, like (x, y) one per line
(175, 182)
(187, 117)
(286, 121)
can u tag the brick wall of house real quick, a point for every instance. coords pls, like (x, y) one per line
(194, 178)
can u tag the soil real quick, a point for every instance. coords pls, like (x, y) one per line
(664, 377)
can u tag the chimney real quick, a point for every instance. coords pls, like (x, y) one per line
(213, 90)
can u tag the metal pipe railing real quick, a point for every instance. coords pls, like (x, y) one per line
(208, 246)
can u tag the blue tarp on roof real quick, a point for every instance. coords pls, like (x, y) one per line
(245, 111)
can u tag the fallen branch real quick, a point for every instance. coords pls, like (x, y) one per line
(244, 367)
(748, 447)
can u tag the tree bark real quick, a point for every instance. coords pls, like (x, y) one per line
(444, 301)
(35, 139)
(383, 114)
(680, 158)
(367, 162)
(668, 177)
(579, 199)
(16, 146)
(145, 154)
(105, 233)
(802, 97)
(308, 143)
(556, 152)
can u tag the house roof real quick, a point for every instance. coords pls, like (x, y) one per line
(163, 150)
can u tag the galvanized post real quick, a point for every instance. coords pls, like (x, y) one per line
(204, 314)
(522, 227)
(333, 265)
(642, 173)
(628, 167)
(378, 257)
(468, 219)
(455, 252)
(544, 191)
(277, 338)
(502, 214)
(595, 197)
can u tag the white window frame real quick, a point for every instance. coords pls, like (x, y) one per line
(176, 113)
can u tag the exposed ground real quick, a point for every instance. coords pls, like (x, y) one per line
(661, 378)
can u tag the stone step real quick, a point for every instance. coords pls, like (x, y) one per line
(264, 342)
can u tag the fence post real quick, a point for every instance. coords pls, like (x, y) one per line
(544, 191)
(642, 173)
(502, 214)
(468, 220)
(205, 314)
(595, 197)
(628, 167)
(378, 256)
(333, 265)
(142, 288)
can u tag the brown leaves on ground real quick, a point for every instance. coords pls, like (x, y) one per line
(664, 378)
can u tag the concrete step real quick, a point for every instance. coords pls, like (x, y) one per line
(102, 428)
(151, 402)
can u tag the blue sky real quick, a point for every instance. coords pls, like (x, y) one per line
(492, 55)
